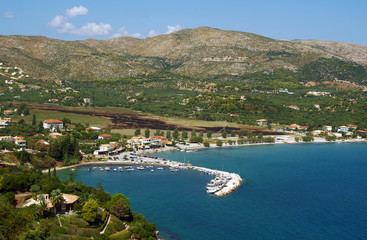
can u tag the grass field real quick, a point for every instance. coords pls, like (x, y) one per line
(74, 118)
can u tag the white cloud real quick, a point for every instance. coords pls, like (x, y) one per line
(62, 25)
(57, 21)
(9, 15)
(76, 11)
(153, 33)
(123, 32)
(172, 29)
(93, 29)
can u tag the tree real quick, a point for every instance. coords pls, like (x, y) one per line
(219, 143)
(184, 135)
(206, 144)
(56, 198)
(90, 211)
(34, 120)
(168, 135)
(35, 190)
(209, 134)
(242, 133)
(233, 133)
(26, 111)
(147, 133)
(224, 134)
(119, 206)
(40, 127)
(137, 132)
(193, 133)
(175, 134)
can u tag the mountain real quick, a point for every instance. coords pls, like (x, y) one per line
(201, 53)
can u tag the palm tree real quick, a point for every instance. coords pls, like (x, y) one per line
(56, 198)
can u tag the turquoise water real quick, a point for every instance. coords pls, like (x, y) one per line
(302, 191)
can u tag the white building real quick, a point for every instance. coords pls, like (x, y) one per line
(53, 124)
(327, 128)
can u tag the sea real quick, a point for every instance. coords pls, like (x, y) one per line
(290, 191)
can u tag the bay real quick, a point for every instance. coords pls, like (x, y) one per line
(298, 191)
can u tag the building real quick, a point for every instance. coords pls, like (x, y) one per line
(295, 107)
(94, 129)
(104, 136)
(41, 141)
(6, 138)
(20, 141)
(343, 129)
(261, 122)
(352, 127)
(8, 112)
(5, 123)
(55, 135)
(66, 205)
(53, 124)
(317, 106)
(327, 128)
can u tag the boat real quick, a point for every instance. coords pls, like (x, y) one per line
(107, 168)
(115, 170)
(100, 168)
(89, 169)
(120, 169)
(159, 168)
(213, 190)
(152, 170)
(130, 169)
(94, 168)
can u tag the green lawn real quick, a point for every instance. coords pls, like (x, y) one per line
(75, 118)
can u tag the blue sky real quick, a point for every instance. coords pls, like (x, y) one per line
(283, 19)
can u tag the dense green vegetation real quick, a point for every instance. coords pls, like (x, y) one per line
(38, 222)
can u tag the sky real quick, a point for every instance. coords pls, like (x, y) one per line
(337, 20)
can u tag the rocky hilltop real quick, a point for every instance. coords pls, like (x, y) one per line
(202, 53)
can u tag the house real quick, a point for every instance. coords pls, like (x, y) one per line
(293, 126)
(43, 142)
(352, 127)
(318, 93)
(8, 112)
(94, 129)
(304, 128)
(261, 122)
(20, 141)
(6, 138)
(295, 107)
(104, 136)
(234, 115)
(53, 124)
(4, 123)
(66, 205)
(317, 106)
(327, 128)
(338, 135)
(55, 135)
(316, 132)
(343, 129)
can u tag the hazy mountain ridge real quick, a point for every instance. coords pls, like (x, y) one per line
(201, 52)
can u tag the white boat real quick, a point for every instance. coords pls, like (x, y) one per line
(94, 168)
(107, 168)
(100, 168)
(213, 190)
(115, 170)
(152, 170)
(159, 168)
(130, 169)
(140, 168)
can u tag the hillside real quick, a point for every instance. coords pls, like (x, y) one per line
(201, 53)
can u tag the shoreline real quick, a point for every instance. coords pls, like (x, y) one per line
(194, 147)
(231, 185)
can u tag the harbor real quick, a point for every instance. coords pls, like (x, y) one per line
(222, 184)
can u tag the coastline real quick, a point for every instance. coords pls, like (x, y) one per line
(193, 147)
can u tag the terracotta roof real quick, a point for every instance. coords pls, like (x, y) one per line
(351, 125)
(105, 135)
(52, 121)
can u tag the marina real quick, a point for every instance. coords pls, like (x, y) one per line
(222, 184)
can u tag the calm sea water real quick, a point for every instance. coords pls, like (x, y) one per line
(303, 191)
